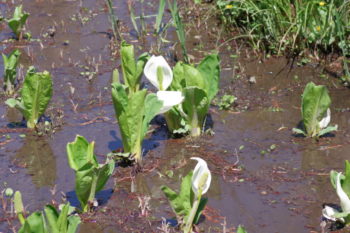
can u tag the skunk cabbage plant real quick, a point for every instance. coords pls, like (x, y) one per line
(134, 114)
(188, 204)
(315, 111)
(90, 176)
(35, 94)
(197, 85)
(341, 184)
(10, 71)
(47, 221)
(18, 20)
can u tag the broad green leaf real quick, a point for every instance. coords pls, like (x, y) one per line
(315, 102)
(195, 105)
(10, 67)
(194, 78)
(181, 203)
(120, 99)
(85, 178)
(62, 221)
(80, 152)
(36, 95)
(210, 70)
(128, 65)
(241, 229)
(104, 172)
(140, 64)
(34, 224)
(18, 20)
(328, 130)
(178, 82)
(174, 119)
(152, 108)
(346, 181)
(51, 217)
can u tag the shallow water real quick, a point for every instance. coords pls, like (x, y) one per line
(280, 191)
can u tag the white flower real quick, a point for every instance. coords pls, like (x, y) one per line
(201, 177)
(170, 99)
(344, 199)
(325, 121)
(151, 72)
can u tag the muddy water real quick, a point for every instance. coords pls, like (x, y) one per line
(280, 190)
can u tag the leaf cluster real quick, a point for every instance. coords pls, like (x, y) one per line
(10, 70)
(18, 20)
(90, 176)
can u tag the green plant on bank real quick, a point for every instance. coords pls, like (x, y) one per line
(47, 221)
(188, 204)
(90, 176)
(18, 20)
(341, 184)
(315, 111)
(198, 85)
(226, 101)
(277, 26)
(35, 95)
(10, 71)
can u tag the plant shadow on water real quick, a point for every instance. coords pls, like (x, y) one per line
(37, 156)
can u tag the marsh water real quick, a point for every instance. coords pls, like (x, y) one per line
(264, 177)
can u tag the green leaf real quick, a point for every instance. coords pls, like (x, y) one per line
(328, 130)
(241, 229)
(178, 82)
(315, 102)
(130, 114)
(104, 172)
(80, 152)
(10, 69)
(73, 223)
(152, 108)
(159, 16)
(18, 20)
(200, 209)
(181, 203)
(298, 131)
(36, 95)
(210, 70)
(195, 105)
(194, 77)
(140, 64)
(131, 70)
(34, 224)
(19, 208)
(85, 178)
(51, 217)
(62, 221)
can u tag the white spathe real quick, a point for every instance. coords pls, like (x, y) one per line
(344, 199)
(150, 72)
(170, 99)
(201, 172)
(325, 121)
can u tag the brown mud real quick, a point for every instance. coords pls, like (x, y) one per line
(263, 176)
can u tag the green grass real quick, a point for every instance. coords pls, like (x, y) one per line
(290, 26)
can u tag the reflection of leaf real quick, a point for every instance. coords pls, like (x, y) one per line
(38, 157)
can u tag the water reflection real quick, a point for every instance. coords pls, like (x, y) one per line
(36, 154)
